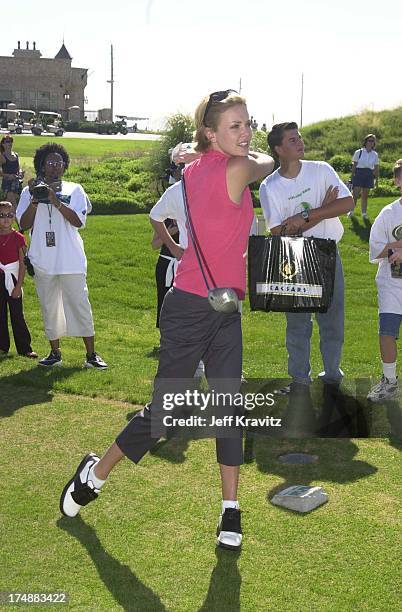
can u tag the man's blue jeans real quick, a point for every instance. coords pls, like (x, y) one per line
(331, 325)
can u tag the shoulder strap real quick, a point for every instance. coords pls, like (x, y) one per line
(361, 151)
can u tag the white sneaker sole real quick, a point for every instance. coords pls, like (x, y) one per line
(54, 365)
(388, 396)
(229, 540)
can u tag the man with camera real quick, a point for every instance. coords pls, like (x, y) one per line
(54, 210)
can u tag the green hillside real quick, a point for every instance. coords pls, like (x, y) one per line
(335, 140)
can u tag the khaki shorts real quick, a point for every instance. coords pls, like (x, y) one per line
(65, 306)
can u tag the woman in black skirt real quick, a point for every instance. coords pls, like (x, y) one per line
(365, 171)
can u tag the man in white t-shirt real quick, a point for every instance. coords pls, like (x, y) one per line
(54, 214)
(307, 196)
(386, 250)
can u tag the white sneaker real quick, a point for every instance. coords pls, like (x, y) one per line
(79, 491)
(200, 371)
(229, 533)
(383, 390)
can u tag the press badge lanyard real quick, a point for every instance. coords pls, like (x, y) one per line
(50, 235)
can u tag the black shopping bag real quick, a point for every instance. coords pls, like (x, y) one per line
(291, 274)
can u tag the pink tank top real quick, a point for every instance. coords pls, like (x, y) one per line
(221, 226)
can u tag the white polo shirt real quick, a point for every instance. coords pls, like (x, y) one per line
(367, 159)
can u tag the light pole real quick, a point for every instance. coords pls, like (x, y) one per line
(111, 80)
(301, 100)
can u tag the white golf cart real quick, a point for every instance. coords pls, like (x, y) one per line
(48, 122)
(19, 120)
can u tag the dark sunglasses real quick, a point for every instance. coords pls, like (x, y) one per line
(217, 96)
(7, 141)
(7, 215)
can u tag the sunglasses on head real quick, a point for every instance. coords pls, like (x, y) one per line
(6, 215)
(217, 96)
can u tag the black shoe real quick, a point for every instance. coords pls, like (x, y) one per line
(53, 359)
(95, 361)
(79, 491)
(229, 533)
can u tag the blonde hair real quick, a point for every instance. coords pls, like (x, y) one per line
(212, 118)
(398, 169)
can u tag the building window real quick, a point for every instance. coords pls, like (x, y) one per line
(33, 102)
(54, 101)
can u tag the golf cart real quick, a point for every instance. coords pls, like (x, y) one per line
(19, 120)
(48, 122)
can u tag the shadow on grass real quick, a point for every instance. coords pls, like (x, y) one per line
(171, 450)
(30, 387)
(224, 587)
(362, 231)
(326, 435)
(129, 592)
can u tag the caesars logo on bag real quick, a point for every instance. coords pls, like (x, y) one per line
(289, 289)
(288, 269)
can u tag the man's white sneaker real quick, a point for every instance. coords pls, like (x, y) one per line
(383, 390)
(79, 490)
(229, 533)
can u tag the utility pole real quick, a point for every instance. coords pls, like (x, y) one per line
(240, 86)
(111, 80)
(301, 100)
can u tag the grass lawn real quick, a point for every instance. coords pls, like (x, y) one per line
(78, 148)
(148, 543)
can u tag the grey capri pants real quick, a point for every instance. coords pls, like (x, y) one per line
(190, 331)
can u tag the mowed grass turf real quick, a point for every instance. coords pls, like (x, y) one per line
(148, 542)
(78, 148)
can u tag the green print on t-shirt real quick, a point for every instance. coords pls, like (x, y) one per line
(298, 195)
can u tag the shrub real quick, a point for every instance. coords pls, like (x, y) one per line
(341, 163)
(179, 128)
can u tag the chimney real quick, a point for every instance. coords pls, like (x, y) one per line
(27, 45)
(34, 46)
(19, 44)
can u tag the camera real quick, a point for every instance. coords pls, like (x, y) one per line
(29, 266)
(40, 192)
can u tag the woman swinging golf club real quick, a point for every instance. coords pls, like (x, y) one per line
(192, 328)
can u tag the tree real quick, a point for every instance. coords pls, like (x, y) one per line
(179, 128)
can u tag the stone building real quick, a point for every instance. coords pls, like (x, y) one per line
(33, 82)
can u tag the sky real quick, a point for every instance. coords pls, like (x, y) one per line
(168, 54)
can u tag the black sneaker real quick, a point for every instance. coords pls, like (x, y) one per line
(95, 361)
(79, 491)
(229, 529)
(53, 359)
